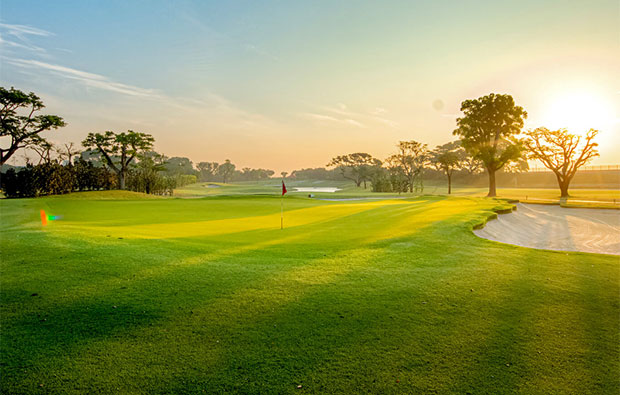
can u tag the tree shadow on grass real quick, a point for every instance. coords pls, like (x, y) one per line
(353, 335)
(328, 330)
(221, 302)
(54, 332)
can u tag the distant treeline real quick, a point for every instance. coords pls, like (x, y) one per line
(491, 142)
(54, 178)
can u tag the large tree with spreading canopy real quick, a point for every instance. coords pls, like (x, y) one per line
(357, 167)
(488, 129)
(561, 152)
(119, 149)
(20, 126)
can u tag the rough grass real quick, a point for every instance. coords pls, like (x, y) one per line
(209, 295)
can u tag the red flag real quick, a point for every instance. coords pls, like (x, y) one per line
(283, 188)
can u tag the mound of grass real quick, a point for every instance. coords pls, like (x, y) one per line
(209, 295)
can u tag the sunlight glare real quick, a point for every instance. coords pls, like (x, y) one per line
(578, 112)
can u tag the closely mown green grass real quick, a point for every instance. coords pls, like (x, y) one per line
(606, 198)
(129, 295)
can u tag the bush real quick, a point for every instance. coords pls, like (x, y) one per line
(54, 179)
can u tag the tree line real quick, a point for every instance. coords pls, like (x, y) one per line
(490, 138)
(107, 160)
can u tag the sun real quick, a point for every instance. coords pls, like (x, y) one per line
(578, 112)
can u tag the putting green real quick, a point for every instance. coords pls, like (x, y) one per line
(134, 295)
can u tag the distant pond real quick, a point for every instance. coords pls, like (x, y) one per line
(317, 189)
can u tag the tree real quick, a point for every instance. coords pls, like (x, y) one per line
(67, 152)
(283, 174)
(145, 175)
(23, 130)
(411, 157)
(226, 170)
(318, 173)
(561, 152)
(249, 174)
(44, 149)
(357, 167)
(398, 180)
(176, 166)
(447, 158)
(487, 132)
(207, 170)
(125, 146)
(471, 165)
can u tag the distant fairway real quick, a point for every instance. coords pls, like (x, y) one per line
(606, 198)
(128, 294)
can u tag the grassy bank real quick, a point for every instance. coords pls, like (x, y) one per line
(133, 295)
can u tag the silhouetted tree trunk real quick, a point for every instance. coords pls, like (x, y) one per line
(562, 152)
(563, 183)
(121, 179)
(492, 189)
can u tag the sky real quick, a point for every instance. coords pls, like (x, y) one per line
(286, 85)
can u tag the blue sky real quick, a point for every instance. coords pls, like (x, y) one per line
(290, 84)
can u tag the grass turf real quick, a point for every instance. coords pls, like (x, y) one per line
(208, 295)
(603, 198)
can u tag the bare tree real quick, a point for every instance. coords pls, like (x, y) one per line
(67, 152)
(561, 152)
(44, 149)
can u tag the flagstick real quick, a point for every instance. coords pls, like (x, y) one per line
(282, 212)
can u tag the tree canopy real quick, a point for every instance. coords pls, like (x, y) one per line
(357, 167)
(178, 166)
(561, 152)
(411, 157)
(19, 122)
(226, 170)
(487, 131)
(119, 149)
(447, 158)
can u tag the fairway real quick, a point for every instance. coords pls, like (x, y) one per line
(129, 294)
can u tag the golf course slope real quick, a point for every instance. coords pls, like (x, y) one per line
(181, 296)
(553, 227)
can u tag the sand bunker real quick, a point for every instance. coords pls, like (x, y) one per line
(557, 228)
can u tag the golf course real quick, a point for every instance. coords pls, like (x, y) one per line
(125, 292)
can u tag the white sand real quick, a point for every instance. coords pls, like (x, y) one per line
(557, 228)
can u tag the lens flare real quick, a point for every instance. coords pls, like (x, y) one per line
(45, 218)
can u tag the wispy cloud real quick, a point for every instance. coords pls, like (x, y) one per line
(329, 118)
(21, 31)
(342, 114)
(210, 103)
(19, 37)
(86, 78)
(26, 46)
